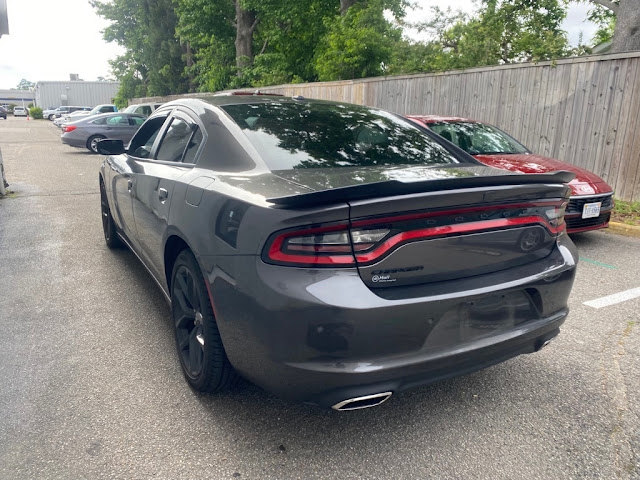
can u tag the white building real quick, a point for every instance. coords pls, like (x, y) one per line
(90, 94)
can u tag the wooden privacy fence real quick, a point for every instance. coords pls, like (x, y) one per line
(584, 110)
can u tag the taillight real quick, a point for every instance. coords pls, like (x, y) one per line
(555, 216)
(314, 246)
(369, 240)
(68, 128)
(323, 246)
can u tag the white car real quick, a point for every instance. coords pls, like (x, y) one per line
(20, 112)
(78, 114)
(70, 117)
(145, 109)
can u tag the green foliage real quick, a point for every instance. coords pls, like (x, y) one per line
(207, 26)
(35, 113)
(606, 21)
(25, 85)
(286, 39)
(627, 212)
(152, 63)
(505, 31)
(174, 46)
(357, 44)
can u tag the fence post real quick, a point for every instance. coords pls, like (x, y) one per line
(3, 182)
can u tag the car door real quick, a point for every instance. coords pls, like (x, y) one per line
(127, 168)
(117, 127)
(174, 156)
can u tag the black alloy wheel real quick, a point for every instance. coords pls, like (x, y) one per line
(111, 237)
(200, 350)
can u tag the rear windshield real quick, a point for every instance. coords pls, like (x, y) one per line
(317, 135)
(478, 138)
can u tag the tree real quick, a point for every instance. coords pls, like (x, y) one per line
(501, 32)
(25, 85)
(626, 34)
(358, 43)
(208, 26)
(153, 61)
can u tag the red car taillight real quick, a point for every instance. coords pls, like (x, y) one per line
(330, 245)
(367, 241)
(68, 128)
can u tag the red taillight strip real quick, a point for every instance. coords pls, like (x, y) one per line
(458, 211)
(275, 252)
(425, 233)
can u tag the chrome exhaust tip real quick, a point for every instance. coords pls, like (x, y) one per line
(541, 345)
(358, 403)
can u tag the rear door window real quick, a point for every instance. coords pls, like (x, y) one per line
(180, 141)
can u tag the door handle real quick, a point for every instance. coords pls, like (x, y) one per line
(162, 194)
(129, 185)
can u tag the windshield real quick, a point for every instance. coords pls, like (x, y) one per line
(316, 135)
(478, 138)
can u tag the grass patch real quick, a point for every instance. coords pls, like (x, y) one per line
(626, 212)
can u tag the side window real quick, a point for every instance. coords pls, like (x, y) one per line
(117, 120)
(145, 110)
(99, 121)
(136, 121)
(192, 146)
(142, 142)
(175, 141)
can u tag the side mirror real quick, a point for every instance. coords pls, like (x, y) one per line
(111, 147)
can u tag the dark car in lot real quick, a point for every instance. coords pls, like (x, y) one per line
(591, 201)
(3, 113)
(331, 253)
(88, 131)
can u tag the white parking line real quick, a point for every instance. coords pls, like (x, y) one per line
(614, 298)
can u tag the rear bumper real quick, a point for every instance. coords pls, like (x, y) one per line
(321, 336)
(428, 368)
(73, 142)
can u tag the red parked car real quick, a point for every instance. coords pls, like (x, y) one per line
(591, 199)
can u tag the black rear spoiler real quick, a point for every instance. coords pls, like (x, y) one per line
(396, 187)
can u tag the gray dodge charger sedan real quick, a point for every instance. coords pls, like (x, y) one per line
(331, 253)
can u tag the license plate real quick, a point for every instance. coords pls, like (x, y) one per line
(591, 210)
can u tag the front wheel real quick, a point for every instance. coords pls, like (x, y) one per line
(202, 357)
(92, 142)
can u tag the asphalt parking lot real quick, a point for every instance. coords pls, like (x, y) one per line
(92, 388)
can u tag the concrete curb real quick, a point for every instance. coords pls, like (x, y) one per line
(624, 229)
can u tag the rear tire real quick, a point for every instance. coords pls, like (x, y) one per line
(111, 237)
(202, 357)
(92, 142)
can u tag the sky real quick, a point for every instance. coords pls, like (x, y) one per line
(50, 39)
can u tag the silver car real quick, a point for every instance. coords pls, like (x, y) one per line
(87, 132)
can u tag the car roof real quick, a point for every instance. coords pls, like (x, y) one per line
(110, 114)
(199, 101)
